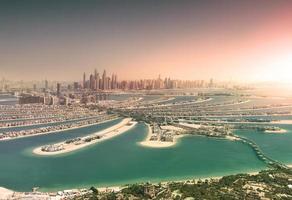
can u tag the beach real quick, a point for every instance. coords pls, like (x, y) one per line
(163, 144)
(232, 138)
(125, 125)
(276, 131)
(158, 144)
(5, 193)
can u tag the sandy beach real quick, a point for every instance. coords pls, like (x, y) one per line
(106, 134)
(232, 138)
(161, 144)
(5, 193)
(158, 144)
(276, 131)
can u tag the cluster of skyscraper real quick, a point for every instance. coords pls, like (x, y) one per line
(96, 82)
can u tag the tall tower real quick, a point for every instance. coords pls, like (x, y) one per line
(91, 82)
(97, 79)
(95, 73)
(113, 81)
(58, 89)
(104, 81)
(46, 84)
(84, 81)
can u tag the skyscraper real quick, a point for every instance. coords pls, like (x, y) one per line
(84, 81)
(104, 81)
(97, 82)
(58, 89)
(46, 84)
(91, 82)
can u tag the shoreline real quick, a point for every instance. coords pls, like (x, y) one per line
(118, 187)
(158, 144)
(56, 131)
(5, 193)
(276, 131)
(106, 134)
(161, 144)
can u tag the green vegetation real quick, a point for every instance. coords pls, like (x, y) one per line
(267, 184)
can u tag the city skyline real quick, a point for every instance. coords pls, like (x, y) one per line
(242, 40)
(102, 81)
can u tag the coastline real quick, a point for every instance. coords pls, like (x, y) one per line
(161, 144)
(5, 193)
(108, 133)
(158, 144)
(119, 186)
(49, 132)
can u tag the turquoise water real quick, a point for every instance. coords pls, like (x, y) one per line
(119, 161)
(122, 160)
(277, 146)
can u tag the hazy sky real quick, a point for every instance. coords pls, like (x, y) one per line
(232, 39)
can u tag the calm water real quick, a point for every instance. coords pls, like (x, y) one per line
(119, 161)
(277, 146)
(122, 160)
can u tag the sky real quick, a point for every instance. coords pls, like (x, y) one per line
(248, 40)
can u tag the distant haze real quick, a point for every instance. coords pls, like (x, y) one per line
(59, 40)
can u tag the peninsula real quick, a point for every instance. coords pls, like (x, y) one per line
(81, 142)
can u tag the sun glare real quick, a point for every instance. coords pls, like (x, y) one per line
(278, 69)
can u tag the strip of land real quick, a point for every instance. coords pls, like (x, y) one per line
(282, 122)
(158, 143)
(54, 130)
(276, 131)
(94, 138)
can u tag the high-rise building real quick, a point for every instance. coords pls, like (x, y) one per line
(58, 89)
(104, 81)
(84, 81)
(46, 84)
(76, 85)
(92, 82)
(97, 79)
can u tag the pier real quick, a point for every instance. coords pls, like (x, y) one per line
(260, 154)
